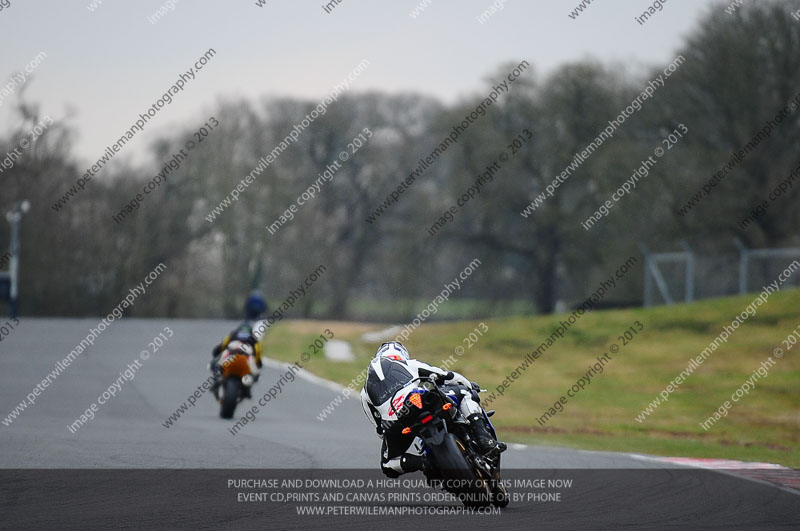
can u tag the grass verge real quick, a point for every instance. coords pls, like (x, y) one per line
(763, 425)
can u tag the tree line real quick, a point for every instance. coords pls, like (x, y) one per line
(738, 73)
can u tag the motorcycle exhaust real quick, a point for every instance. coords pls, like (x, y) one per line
(247, 380)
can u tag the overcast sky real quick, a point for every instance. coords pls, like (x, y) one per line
(109, 65)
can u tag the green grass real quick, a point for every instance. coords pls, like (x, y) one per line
(378, 310)
(762, 426)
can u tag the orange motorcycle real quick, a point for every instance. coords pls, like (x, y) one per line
(237, 372)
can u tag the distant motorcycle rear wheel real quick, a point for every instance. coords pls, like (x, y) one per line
(230, 397)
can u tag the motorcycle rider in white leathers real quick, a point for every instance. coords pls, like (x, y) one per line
(390, 370)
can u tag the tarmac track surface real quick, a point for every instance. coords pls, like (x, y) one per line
(128, 432)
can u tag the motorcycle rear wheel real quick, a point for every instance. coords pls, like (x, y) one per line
(500, 496)
(453, 465)
(230, 397)
(450, 461)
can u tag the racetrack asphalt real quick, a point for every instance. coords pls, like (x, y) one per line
(128, 432)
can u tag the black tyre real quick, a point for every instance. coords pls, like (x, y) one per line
(450, 460)
(500, 496)
(453, 466)
(230, 396)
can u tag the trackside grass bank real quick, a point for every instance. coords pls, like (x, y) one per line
(610, 409)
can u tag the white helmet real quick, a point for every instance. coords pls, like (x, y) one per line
(393, 350)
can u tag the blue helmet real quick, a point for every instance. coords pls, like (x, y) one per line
(254, 306)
